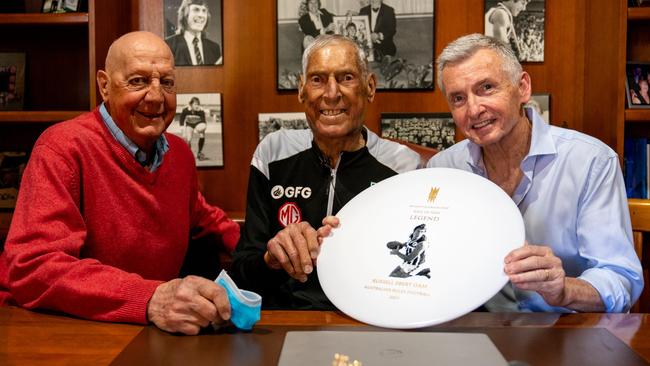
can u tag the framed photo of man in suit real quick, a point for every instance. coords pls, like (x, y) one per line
(193, 31)
(397, 37)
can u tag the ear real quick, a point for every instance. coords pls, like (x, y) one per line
(372, 87)
(301, 91)
(102, 83)
(525, 88)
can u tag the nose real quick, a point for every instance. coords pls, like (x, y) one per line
(474, 106)
(155, 92)
(332, 91)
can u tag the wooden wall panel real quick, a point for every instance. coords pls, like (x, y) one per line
(247, 77)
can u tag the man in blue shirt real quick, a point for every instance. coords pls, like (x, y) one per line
(578, 254)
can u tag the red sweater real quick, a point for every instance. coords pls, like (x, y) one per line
(94, 233)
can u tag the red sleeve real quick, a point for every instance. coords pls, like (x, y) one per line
(41, 265)
(207, 219)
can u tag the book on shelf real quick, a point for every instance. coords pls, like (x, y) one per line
(635, 151)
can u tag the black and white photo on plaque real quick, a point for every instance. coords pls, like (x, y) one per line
(271, 122)
(519, 23)
(541, 102)
(198, 122)
(400, 35)
(12, 81)
(637, 84)
(193, 31)
(434, 130)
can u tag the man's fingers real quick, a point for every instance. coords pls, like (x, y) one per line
(214, 304)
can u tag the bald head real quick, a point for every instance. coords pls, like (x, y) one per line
(138, 86)
(135, 43)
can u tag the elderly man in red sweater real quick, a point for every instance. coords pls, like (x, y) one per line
(108, 203)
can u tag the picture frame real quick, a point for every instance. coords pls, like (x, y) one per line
(431, 130)
(408, 65)
(202, 131)
(71, 5)
(210, 42)
(12, 81)
(637, 84)
(271, 122)
(526, 31)
(541, 102)
(53, 6)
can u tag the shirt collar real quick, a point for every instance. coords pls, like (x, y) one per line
(189, 37)
(541, 142)
(161, 147)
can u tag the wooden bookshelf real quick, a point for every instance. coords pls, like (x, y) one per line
(44, 19)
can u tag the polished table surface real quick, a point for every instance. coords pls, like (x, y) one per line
(30, 338)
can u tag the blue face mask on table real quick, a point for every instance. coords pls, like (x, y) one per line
(245, 306)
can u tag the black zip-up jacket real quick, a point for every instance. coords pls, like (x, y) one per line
(289, 182)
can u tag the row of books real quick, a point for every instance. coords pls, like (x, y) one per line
(636, 169)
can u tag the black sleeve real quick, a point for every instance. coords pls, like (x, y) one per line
(248, 267)
(183, 116)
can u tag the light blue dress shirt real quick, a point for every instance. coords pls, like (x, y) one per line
(161, 147)
(572, 199)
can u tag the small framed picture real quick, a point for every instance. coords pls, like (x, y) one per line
(71, 5)
(198, 122)
(12, 81)
(193, 30)
(637, 84)
(541, 102)
(432, 130)
(271, 122)
(53, 6)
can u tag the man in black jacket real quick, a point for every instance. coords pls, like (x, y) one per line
(383, 27)
(299, 178)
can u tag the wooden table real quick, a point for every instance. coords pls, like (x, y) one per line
(30, 338)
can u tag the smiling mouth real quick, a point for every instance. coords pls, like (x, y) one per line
(483, 124)
(151, 115)
(332, 112)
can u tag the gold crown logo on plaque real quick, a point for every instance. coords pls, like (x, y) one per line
(432, 194)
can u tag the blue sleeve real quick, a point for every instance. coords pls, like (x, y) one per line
(604, 235)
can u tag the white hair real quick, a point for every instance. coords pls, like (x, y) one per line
(466, 46)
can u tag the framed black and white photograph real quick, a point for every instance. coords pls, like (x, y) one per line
(519, 23)
(12, 81)
(433, 130)
(541, 102)
(400, 51)
(198, 122)
(71, 5)
(53, 6)
(193, 31)
(271, 122)
(637, 83)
